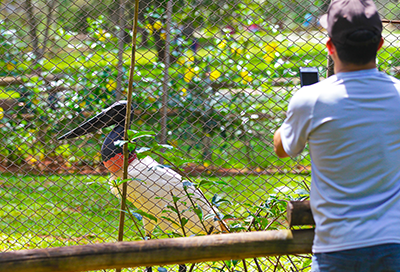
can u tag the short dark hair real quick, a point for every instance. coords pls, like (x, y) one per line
(360, 47)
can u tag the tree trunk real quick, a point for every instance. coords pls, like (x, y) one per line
(49, 21)
(121, 43)
(33, 33)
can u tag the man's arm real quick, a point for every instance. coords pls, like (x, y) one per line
(278, 147)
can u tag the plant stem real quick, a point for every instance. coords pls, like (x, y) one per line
(188, 178)
(179, 215)
(244, 265)
(194, 207)
(274, 220)
(130, 215)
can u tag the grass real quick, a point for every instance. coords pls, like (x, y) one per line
(5, 93)
(49, 211)
(54, 211)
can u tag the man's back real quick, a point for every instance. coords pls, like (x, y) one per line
(352, 124)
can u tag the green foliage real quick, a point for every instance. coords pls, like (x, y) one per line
(10, 50)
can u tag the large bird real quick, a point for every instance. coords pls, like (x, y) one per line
(152, 186)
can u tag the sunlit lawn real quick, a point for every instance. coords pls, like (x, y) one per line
(49, 211)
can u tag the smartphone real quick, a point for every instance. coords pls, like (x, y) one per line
(308, 75)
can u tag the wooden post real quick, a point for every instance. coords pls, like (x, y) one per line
(299, 213)
(159, 252)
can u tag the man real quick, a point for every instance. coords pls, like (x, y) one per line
(351, 122)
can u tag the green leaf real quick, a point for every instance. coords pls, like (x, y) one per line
(199, 211)
(170, 220)
(166, 146)
(117, 182)
(142, 150)
(134, 135)
(131, 146)
(228, 264)
(187, 183)
(204, 182)
(172, 208)
(221, 182)
(149, 216)
(184, 221)
(208, 182)
(138, 216)
(217, 200)
(120, 143)
(175, 198)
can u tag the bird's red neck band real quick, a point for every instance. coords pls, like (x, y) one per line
(116, 163)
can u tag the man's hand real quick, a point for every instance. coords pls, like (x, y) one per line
(278, 148)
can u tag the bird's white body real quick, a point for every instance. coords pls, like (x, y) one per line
(150, 190)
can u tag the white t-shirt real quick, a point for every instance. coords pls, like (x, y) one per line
(351, 122)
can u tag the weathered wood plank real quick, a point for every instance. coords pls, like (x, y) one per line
(159, 252)
(7, 81)
(299, 213)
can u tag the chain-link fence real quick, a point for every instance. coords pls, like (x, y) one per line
(212, 80)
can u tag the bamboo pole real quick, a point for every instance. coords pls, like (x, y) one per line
(159, 252)
(121, 44)
(127, 126)
(166, 60)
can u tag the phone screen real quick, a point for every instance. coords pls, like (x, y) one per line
(308, 76)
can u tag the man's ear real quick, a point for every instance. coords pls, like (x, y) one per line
(380, 44)
(330, 46)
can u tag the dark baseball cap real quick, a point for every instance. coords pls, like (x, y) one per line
(347, 16)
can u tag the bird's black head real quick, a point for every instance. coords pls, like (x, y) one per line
(113, 115)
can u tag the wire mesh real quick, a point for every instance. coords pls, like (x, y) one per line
(216, 97)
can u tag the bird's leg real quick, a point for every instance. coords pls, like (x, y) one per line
(182, 268)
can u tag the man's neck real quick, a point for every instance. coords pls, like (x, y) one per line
(341, 67)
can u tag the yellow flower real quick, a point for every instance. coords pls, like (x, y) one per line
(268, 58)
(82, 104)
(32, 160)
(237, 50)
(10, 66)
(181, 61)
(244, 73)
(101, 35)
(245, 77)
(271, 47)
(163, 36)
(189, 74)
(184, 92)
(270, 50)
(191, 59)
(149, 28)
(222, 44)
(157, 25)
(1, 113)
(246, 80)
(174, 143)
(152, 98)
(206, 164)
(111, 85)
(214, 75)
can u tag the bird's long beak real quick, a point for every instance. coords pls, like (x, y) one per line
(110, 116)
